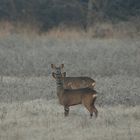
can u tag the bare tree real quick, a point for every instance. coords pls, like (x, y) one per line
(13, 9)
(89, 13)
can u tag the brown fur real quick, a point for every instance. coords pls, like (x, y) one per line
(78, 82)
(74, 82)
(71, 97)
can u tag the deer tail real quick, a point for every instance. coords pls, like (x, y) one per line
(93, 84)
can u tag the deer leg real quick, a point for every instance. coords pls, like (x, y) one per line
(91, 111)
(89, 108)
(91, 114)
(66, 111)
(95, 111)
(94, 108)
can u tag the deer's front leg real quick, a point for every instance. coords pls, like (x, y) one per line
(66, 111)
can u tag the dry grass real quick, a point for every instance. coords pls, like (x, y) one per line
(7, 28)
(114, 91)
(130, 28)
(66, 33)
(100, 30)
(42, 119)
(29, 109)
(22, 54)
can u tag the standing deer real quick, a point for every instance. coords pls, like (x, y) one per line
(71, 97)
(74, 82)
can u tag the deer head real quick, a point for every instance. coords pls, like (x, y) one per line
(57, 76)
(57, 70)
(54, 67)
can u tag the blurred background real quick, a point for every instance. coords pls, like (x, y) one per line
(47, 14)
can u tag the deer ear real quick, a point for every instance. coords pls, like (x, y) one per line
(53, 75)
(62, 66)
(52, 66)
(64, 74)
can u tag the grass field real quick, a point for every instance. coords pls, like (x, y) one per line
(42, 119)
(29, 108)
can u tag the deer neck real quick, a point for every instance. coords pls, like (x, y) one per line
(60, 88)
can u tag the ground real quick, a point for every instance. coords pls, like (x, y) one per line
(40, 116)
(29, 107)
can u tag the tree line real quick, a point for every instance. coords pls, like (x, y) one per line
(52, 13)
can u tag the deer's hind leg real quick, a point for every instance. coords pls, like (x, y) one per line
(94, 108)
(95, 111)
(88, 104)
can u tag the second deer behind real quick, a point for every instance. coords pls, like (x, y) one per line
(74, 82)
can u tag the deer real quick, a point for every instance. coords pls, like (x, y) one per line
(74, 82)
(72, 97)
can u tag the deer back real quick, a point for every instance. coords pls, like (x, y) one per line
(78, 82)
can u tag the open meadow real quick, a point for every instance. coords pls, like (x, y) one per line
(29, 108)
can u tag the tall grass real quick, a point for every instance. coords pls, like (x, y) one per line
(21, 54)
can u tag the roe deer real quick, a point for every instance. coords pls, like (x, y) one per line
(74, 82)
(71, 97)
